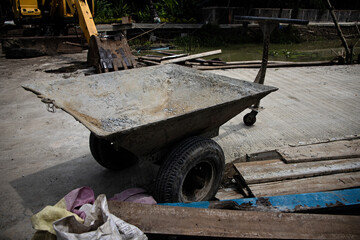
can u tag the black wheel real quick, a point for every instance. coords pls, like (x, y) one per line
(192, 172)
(250, 118)
(106, 155)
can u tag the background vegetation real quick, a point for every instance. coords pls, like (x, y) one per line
(189, 11)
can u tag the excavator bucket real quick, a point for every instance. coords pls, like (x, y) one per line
(108, 54)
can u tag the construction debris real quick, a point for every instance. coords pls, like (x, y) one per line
(174, 58)
(156, 60)
(293, 170)
(196, 61)
(194, 56)
(343, 201)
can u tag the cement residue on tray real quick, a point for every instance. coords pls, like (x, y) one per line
(114, 124)
(126, 99)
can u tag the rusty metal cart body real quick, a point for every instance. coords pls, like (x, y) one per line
(165, 114)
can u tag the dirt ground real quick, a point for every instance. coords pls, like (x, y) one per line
(45, 155)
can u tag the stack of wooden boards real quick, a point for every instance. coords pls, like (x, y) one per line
(303, 169)
(196, 61)
(176, 58)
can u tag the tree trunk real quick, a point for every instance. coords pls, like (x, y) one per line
(295, 10)
(343, 40)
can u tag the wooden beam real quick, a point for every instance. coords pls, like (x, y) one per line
(304, 185)
(174, 56)
(194, 56)
(270, 65)
(277, 170)
(322, 151)
(254, 62)
(226, 67)
(149, 62)
(150, 58)
(157, 219)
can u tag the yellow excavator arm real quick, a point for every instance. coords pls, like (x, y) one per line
(105, 54)
(86, 20)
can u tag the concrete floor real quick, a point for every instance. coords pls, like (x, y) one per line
(312, 104)
(45, 155)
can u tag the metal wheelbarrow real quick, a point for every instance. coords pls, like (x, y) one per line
(165, 114)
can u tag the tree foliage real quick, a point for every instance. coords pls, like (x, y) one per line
(105, 9)
(184, 10)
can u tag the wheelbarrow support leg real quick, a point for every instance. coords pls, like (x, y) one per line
(266, 28)
(267, 25)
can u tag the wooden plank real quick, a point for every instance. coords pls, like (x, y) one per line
(149, 62)
(150, 58)
(214, 62)
(253, 62)
(259, 164)
(157, 219)
(306, 185)
(199, 55)
(164, 53)
(262, 156)
(168, 51)
(270, 65)
(321, 151)
(225, 67)
(277, 170)
(228, 193)
(174, 56)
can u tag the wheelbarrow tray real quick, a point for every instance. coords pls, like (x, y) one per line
(146, 109)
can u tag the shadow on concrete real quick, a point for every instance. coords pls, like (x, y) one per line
(75, 65)
(48, 186)
(230, 129)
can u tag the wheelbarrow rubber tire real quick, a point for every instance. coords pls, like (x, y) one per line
(249, 119)
(192, 172)
(93, 144)
(106, 155)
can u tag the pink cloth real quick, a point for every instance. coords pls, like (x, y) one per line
(137, 195)
(78, 197)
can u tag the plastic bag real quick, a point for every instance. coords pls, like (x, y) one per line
(99, 224)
